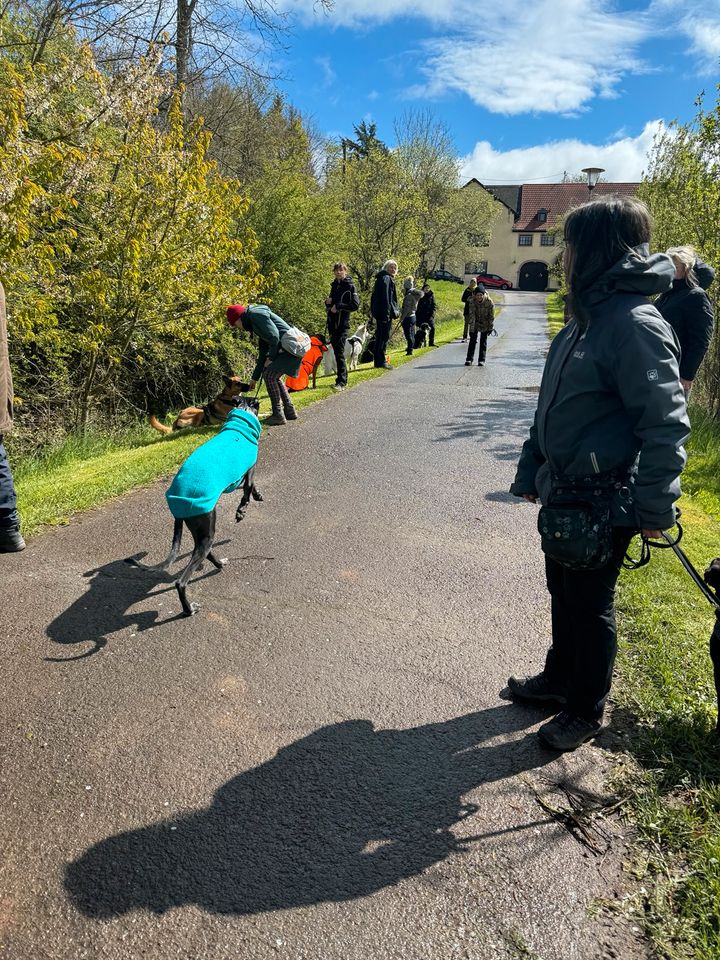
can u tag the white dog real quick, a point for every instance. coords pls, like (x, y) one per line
(353, 351)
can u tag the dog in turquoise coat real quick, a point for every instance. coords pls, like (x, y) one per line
(221, 465)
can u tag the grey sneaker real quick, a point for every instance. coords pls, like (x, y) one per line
(11, 541)
(536, 689)
(568, 732)
(338, 387)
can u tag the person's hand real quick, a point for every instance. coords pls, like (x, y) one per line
(652, 534)
(268, 361)
(251, 385)
(686, 385)
(529, 497)
(328, 301)
(333, 309)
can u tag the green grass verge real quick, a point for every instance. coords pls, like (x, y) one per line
(85, 472)
(554, 306)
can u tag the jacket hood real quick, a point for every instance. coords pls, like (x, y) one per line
(705, 274)
(245, 423)
(637, 272)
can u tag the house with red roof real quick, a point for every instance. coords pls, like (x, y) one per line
(523, 244)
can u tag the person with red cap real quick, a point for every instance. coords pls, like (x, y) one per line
(273, 362)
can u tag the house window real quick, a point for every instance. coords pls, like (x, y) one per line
(542, 216)
(525, 240)
(547, 240)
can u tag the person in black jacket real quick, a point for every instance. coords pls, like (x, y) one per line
(342, 300)
(610, 426)
(688, 310)
(384, 309)
(425, 313)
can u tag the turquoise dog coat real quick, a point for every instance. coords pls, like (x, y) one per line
(217, 467)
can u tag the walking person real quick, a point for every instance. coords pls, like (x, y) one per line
(604, 455)
(481, 320)
(411, 298)
(688, 310)
(425, 313)
(466, 299)
(384, 309)
(11, 540)
(342, 300)
(273, 362)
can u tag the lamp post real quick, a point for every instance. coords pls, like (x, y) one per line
(593, 175)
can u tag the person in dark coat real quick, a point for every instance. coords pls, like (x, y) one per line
(411, 298)
(11, 540)
(273, 362)
(384, 309)
(481, 321)
(688, 310)
(466, 298)
(342, 300)
(611, 416)
(425, 313)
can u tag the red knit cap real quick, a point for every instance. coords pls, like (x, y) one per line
(234, 313)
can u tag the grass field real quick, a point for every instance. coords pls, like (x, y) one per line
(665, 704)
(85, 472)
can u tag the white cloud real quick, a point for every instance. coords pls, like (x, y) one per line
(550, 56)
(328, 74)
(700, 23)
(623, 159)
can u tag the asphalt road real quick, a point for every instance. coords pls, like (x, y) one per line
(319, 765)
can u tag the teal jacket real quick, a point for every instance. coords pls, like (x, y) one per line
(268, 328)
(217, 467)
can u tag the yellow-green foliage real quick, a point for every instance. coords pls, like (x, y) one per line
(120, 243)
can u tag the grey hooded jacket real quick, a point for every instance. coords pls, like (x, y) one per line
(611, 399)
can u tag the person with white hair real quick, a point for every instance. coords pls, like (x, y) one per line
(688, 310)
(384, 309)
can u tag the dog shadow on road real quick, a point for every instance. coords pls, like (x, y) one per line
(338, 814)
(107, 607)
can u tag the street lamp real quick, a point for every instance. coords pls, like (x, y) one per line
(593, 175)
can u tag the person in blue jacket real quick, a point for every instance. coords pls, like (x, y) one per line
(273, 362)
(688, 310)
(611, 413)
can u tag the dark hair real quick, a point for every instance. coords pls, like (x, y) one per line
(339, 265)
(598, 234)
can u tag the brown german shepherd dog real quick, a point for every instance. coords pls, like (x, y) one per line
(212, 413)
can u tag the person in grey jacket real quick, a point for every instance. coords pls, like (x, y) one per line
(688, 310)
(611, 409)
(411, 299)
(273, 362)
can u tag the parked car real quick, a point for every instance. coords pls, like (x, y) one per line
(493, 280)
(444, 275)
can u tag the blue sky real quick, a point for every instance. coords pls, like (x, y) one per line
(539, 87)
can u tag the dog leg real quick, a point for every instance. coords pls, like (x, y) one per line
(217, 563)
(249, 490)
(256, 495)
(171, 557)
(202, 529)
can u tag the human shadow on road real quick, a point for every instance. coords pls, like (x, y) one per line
(107, 607)
(500, 425)
(336, 815)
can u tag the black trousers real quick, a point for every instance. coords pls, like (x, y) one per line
(382, 338)
(482, 352)
(408, 326)
(584, 637)
(338, 338)
(9, 519)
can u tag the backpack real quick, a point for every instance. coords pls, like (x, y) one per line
(295, 342)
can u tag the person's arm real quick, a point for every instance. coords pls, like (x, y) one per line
(698, 334)
(531, 459)
(645, 367)
(354, 299)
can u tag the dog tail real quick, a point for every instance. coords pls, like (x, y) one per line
(154, 422)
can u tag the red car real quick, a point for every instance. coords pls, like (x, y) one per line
(493, 280)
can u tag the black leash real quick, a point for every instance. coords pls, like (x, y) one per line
(673, 543)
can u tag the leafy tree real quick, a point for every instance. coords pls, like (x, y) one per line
(682, 189)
